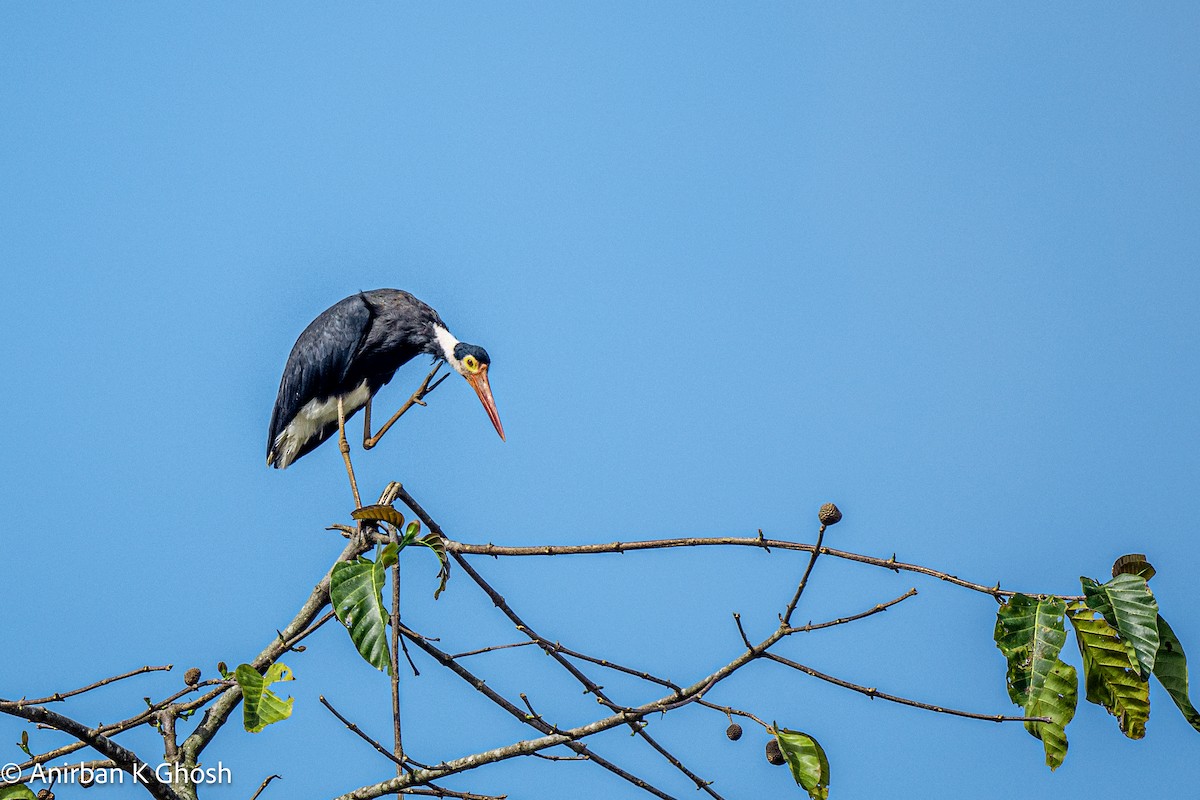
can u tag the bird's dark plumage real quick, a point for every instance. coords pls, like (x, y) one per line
(350, 350)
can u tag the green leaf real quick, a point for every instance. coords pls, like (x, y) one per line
(1128, 606)
(1030, 634)
(24, 744)
(438, 545)
(807, 761)
(17, 792)
(1170, 667)
(379, 513)
(260, 705)
(1110, 670)
(355, 589)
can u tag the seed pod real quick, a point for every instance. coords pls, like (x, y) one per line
(774, 754)
(734, 732)
(192, 676)
(829, 514)
(45, 794)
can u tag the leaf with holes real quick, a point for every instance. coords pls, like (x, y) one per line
(355, 589)
(1128, 606)
(1110, 670)
(260, 705)
(807, 761)
(1170, 667)
(1030, 634)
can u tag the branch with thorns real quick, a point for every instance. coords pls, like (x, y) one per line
(223, 696)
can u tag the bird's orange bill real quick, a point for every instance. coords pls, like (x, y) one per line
(479, 382)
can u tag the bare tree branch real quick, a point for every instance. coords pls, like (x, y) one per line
(871, 691)
(892, 564)
(266, 782)
(141, 718)
(438, 791)
(218, 713)
(532, 719)
(854, 617)
(588, 684)
(58, 696)
(357, 731)
(123, 758)
(786, 619)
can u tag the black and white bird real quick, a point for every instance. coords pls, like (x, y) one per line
(348, 353)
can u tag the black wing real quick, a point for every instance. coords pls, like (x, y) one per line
(319, 361)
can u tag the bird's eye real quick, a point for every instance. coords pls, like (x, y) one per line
(471, 363)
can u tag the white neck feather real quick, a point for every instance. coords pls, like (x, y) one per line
(446, 342)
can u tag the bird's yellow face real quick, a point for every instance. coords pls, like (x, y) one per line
(472, 362)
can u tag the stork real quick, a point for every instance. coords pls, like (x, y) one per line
(346, 355)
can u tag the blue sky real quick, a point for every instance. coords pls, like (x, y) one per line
(934, 262)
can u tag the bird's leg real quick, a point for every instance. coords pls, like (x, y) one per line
(344, 446)
(417, 399)
(367, 422)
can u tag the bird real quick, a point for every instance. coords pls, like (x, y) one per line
(350, 351)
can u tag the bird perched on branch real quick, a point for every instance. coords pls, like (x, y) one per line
(347, 354)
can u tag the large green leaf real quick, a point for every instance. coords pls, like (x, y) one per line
(1110, 670)
(1128, 606)
(1170, 667)
(260, 705)
(355, 589)
(1030, 634)
(806, 759)
(17, 792)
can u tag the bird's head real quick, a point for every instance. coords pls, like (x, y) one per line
(472, 362)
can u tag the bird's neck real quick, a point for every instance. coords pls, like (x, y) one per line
(445, 342)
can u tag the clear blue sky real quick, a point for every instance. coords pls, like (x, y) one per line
(934, 262)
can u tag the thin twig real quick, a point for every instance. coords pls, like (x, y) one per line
(871, 691)
(438, 791)
(217, 714)
(264, 785)
(588, 684)
(559, 758)
(59, 696)
(357, 731)
(141, 718)
(854, 617)
(737, 618)
(603, 662)
(786, 619)
(398, 746)
(531, 719)
(124, 758)
(892, 564)
(731, 711)
(491, 649)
